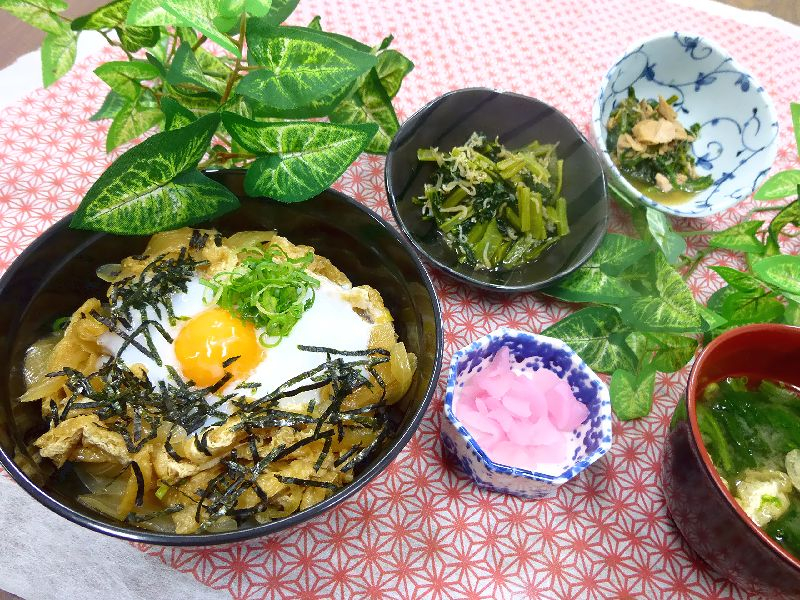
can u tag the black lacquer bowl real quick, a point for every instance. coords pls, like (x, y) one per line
(57, 273)
(516, 120)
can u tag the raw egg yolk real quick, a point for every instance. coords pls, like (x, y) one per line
(210, 339)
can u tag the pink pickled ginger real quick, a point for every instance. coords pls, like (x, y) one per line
(519, 419)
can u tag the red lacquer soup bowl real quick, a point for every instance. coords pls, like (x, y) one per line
(700, 504)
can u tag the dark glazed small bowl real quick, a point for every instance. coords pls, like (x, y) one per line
(517, 120)
(56, 274)
(704, 510)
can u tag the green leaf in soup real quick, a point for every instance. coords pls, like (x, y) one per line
(149, 13)
(42, 14)
(672, 352)
(738, 279)
(185, 70)
(370, 104)
(124, 76)
(280, 11)
(796, 124)
(589, 332)
(299, 65)
(111, 106)
(133, 119)
(780, 185)
(671, 309)
(175, 114)
(632, 395)
(107, 16)
(200, 15)
(392, 68)
(299, 159)
(671, 244)
(134, 39)
(740, 237)
(58, 54)
(137, 194)
(780, 272)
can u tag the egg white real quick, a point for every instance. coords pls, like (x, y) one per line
(329, 322)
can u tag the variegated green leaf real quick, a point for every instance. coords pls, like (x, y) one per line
(780, 272)
(632, 395)
(42, 14)
(134, 39)
(58, 54)
(370, 104)
(672, 308)
(110, 107)
(780, 185)
(200, 15)
(151, 13)
(738, 279)
(741, 237)
(659, 226)
(186, 71)
(133, 119)
(789, 215)
(741, 308)
(596, 280)
(672, 352)
(175, 114)
(148, 189)
(302, 158)
(392, 68)
(297, 65)
(108, 16)
(597, 334)
(234, 8)
(124, 76)
(280, 11)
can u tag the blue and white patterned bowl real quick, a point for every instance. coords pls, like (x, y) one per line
(588, 442)
(738, 140)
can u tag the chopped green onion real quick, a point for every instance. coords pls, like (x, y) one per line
(267, 288)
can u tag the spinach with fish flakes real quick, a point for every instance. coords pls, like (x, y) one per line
(648, 144)
(496, 208)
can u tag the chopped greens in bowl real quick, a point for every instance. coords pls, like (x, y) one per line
(495, 208)
(653, 149)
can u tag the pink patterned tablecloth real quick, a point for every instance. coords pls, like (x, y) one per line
(422, 529)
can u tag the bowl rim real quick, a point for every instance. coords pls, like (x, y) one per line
(503, 288)
(207, 539)
(619, 179)
(692, 392)
(499, 468)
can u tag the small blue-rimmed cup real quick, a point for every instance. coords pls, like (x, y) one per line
(739, 136)
(588, 442)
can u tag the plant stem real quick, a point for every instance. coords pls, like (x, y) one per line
(111, 42)
(696, 260)
(235, 72)
(199, 42)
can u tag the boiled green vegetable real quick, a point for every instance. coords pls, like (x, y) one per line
(496, 208)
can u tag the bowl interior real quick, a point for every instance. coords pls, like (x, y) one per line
(587, 443)
(516, 120)
(57, 273)
(738, 139)
(768, 351)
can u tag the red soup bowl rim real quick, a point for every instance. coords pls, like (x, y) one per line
(691, 400)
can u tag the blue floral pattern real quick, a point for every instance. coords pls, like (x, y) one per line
(589, 442)
(738, 140)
